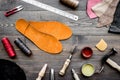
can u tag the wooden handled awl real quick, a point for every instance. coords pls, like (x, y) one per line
(42, 72)
(67, 62)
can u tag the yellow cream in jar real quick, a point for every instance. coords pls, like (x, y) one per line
(88, 70)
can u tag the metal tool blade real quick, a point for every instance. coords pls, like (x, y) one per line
(52, 74)
(76, 77)
(73, 52)
(20, 6)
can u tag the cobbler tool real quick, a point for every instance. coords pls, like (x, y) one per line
(76, 77)
(13, 11)
(23, 47)
(52, 75)
(52, 9)
(67, 62)
(8, 47)
(109, 61)
(42, 72)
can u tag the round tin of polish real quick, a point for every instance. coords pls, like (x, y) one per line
(86, 52)
(88, 70)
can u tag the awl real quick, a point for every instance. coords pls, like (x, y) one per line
(67, 62)
(42, 72)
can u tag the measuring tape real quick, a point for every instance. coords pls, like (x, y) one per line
(52, 9)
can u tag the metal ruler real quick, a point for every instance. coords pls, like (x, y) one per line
(52, 9)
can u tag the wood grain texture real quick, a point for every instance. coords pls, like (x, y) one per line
(85, 34)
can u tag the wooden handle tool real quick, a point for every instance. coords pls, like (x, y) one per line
(113, 64)
(42, 72)
(106, 59)
(67, 62)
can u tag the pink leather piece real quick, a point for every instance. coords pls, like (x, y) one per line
(90, 4)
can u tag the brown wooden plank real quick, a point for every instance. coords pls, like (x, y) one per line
(85, 34)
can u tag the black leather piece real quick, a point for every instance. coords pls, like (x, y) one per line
(114, 29)
(11, 71)
(115, 25)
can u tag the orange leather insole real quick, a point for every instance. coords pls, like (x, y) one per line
(44, 41)
(57, 29)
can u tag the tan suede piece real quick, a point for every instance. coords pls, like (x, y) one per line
(100, 8)
(107, 17)
(45, 42)
(101, 45)
(57, 29)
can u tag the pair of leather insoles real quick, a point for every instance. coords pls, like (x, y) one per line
(45, 35)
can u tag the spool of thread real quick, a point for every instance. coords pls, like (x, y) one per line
(71, 3)
(8, 47)
(23, 47)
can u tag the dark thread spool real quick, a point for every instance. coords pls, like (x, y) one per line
(20, 44)
(8, 47)
(71, 3)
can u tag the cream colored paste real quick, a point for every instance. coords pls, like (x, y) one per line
(88, 70)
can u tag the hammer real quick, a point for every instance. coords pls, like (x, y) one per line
(109, 61)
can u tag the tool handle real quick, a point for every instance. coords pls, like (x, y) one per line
(42, 72)
(113, 64)
(66, 64)
(9, 13)
(39, 78)
(76, 77)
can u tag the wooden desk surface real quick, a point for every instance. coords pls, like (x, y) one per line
(84, 31)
